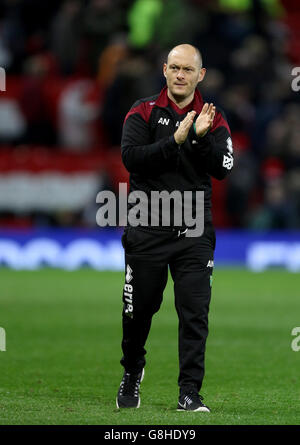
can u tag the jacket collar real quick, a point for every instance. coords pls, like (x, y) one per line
(163, 100)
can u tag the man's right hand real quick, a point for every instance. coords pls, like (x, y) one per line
(182, 131)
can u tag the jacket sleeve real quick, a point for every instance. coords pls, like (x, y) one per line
(214, 150)
(139, 154)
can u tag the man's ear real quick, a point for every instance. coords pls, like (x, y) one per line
(202, 74)
(165, 69)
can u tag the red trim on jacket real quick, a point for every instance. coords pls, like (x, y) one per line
(163, 101)
(144, 109)
(219, 121)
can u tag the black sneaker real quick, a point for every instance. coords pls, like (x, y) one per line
(128, 394)
(192, 401)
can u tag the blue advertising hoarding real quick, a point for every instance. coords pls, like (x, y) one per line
(101, 249)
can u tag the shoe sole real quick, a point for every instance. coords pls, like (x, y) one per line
(201, 409)
(139, 401)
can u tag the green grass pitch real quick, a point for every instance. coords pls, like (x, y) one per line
(63, 333)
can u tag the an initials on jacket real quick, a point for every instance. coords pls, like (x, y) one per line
(164, 121)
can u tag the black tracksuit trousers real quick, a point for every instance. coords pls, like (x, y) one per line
(148, 253)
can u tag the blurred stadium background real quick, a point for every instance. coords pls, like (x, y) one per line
(73, 69)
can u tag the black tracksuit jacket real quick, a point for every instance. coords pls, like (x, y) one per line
(156, 162)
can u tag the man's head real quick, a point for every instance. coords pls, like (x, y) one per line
(183, 71)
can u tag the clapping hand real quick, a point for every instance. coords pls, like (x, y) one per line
(205, 119)
(181, 133)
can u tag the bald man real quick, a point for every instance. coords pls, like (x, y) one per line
(172, 142)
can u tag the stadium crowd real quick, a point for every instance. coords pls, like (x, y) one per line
(75, 67)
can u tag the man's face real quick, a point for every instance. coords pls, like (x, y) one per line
(183, 72)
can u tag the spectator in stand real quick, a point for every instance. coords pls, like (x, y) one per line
(101, 20)
(152, 21)
(66, 35)
(13, 35)
(109, 61)
(134, 79)
(278, 210)
(240, 185)
(39, 128)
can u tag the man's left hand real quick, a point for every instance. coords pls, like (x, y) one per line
(205, 119)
